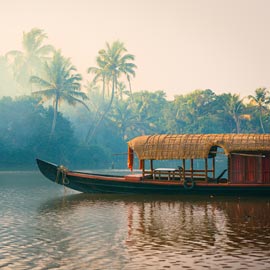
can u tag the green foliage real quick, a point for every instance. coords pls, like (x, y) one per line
(112, 63)
(25, 126)
(59, 84)
(8, 86)
(147, 110)
(25, 129)
(30, 60)
(197, 112)
(260, 102)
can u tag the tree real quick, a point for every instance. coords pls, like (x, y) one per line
(113, 62)
(60, 83)
(123, 118)
(8, 84)
(23, 125)
(260, 100)
(100, 74)
(122, 90)
(233, 107)
(30, 60)
(196, 112)
(148, 109)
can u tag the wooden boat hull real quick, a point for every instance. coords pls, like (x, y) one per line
(96, 183)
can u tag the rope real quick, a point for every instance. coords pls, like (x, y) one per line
(61, 170)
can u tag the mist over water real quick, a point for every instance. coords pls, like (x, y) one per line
(44, 226)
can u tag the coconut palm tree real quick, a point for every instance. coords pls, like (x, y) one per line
(30, 60)
(100, 74)
(60, 83)
(113, 62)
(123, 117)
(260, 100)
(233, 106)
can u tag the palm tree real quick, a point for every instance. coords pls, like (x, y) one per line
(260, 100)
(30, 60)
(196, 111)
(100, 74)
(123, 118)
(59, 84)
(233, 106)
(113, 62)
(122, 90)
(148, 109)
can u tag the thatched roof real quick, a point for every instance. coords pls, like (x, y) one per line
(192, 146)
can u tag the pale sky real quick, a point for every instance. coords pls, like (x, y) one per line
(179, 45)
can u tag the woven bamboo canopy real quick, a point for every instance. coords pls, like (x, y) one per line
(196, 146)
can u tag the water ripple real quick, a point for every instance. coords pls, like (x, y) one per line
(45, 227)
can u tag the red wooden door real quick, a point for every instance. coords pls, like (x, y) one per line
(252, 170)
(245, 169)
(237, 168)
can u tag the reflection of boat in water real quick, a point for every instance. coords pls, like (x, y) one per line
(247, 167)
(174, 221)
(109, 231)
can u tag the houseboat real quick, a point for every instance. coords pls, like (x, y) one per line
(246, 167)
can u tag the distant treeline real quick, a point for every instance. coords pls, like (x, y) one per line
(43, 121)
(25, 126)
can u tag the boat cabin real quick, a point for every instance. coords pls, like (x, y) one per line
(247, 157)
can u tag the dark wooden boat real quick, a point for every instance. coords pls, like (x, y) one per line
(247, 167)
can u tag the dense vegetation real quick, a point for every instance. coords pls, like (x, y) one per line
(45, 122)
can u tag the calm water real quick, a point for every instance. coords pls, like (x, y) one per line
(44, 226)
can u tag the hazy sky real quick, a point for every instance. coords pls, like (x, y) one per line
(179, 45)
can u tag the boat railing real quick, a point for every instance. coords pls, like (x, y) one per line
(171, 173)
(201, 174)
(178, 174)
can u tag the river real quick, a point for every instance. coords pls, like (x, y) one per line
(45, 226)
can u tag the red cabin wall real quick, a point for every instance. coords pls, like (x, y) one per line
(249, 169)
(237, 163)
(253, 170)
(266, 169)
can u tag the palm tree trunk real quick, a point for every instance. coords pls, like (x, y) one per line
(130, 90)
(238, 126)
(91, 135)
(103, 87)
(55, 112)
(261, 122)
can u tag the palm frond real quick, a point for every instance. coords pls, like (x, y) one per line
(48, 93)
(39, 81)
